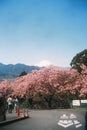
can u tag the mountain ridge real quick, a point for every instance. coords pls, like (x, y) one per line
(11, 71)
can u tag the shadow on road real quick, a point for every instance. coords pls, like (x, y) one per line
(86, 121)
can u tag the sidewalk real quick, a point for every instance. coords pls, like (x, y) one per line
(11, 117)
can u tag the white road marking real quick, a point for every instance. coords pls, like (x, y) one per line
(76, 122)
(64, 116)
(67, 121)
(72, 116)
(78, 125)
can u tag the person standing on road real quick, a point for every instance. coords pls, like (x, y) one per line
(17, 106)
(10, 104)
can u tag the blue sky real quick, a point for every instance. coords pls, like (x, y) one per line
(37, 32)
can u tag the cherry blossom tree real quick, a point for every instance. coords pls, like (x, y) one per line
(51, 85)
(5, 87)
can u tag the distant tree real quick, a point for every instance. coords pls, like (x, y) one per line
(78, 60)
(23, 73)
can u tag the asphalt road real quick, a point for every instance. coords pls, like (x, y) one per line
(50, 120)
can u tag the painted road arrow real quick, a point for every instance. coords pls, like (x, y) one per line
(67, 121)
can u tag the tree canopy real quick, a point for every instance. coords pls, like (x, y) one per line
(52, 85)
(78, 60)
(23, 73)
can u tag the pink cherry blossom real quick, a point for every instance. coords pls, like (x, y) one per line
(49, 83)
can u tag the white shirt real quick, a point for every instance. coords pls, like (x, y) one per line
(9, 100)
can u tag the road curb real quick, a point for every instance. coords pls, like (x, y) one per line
(3, 123)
